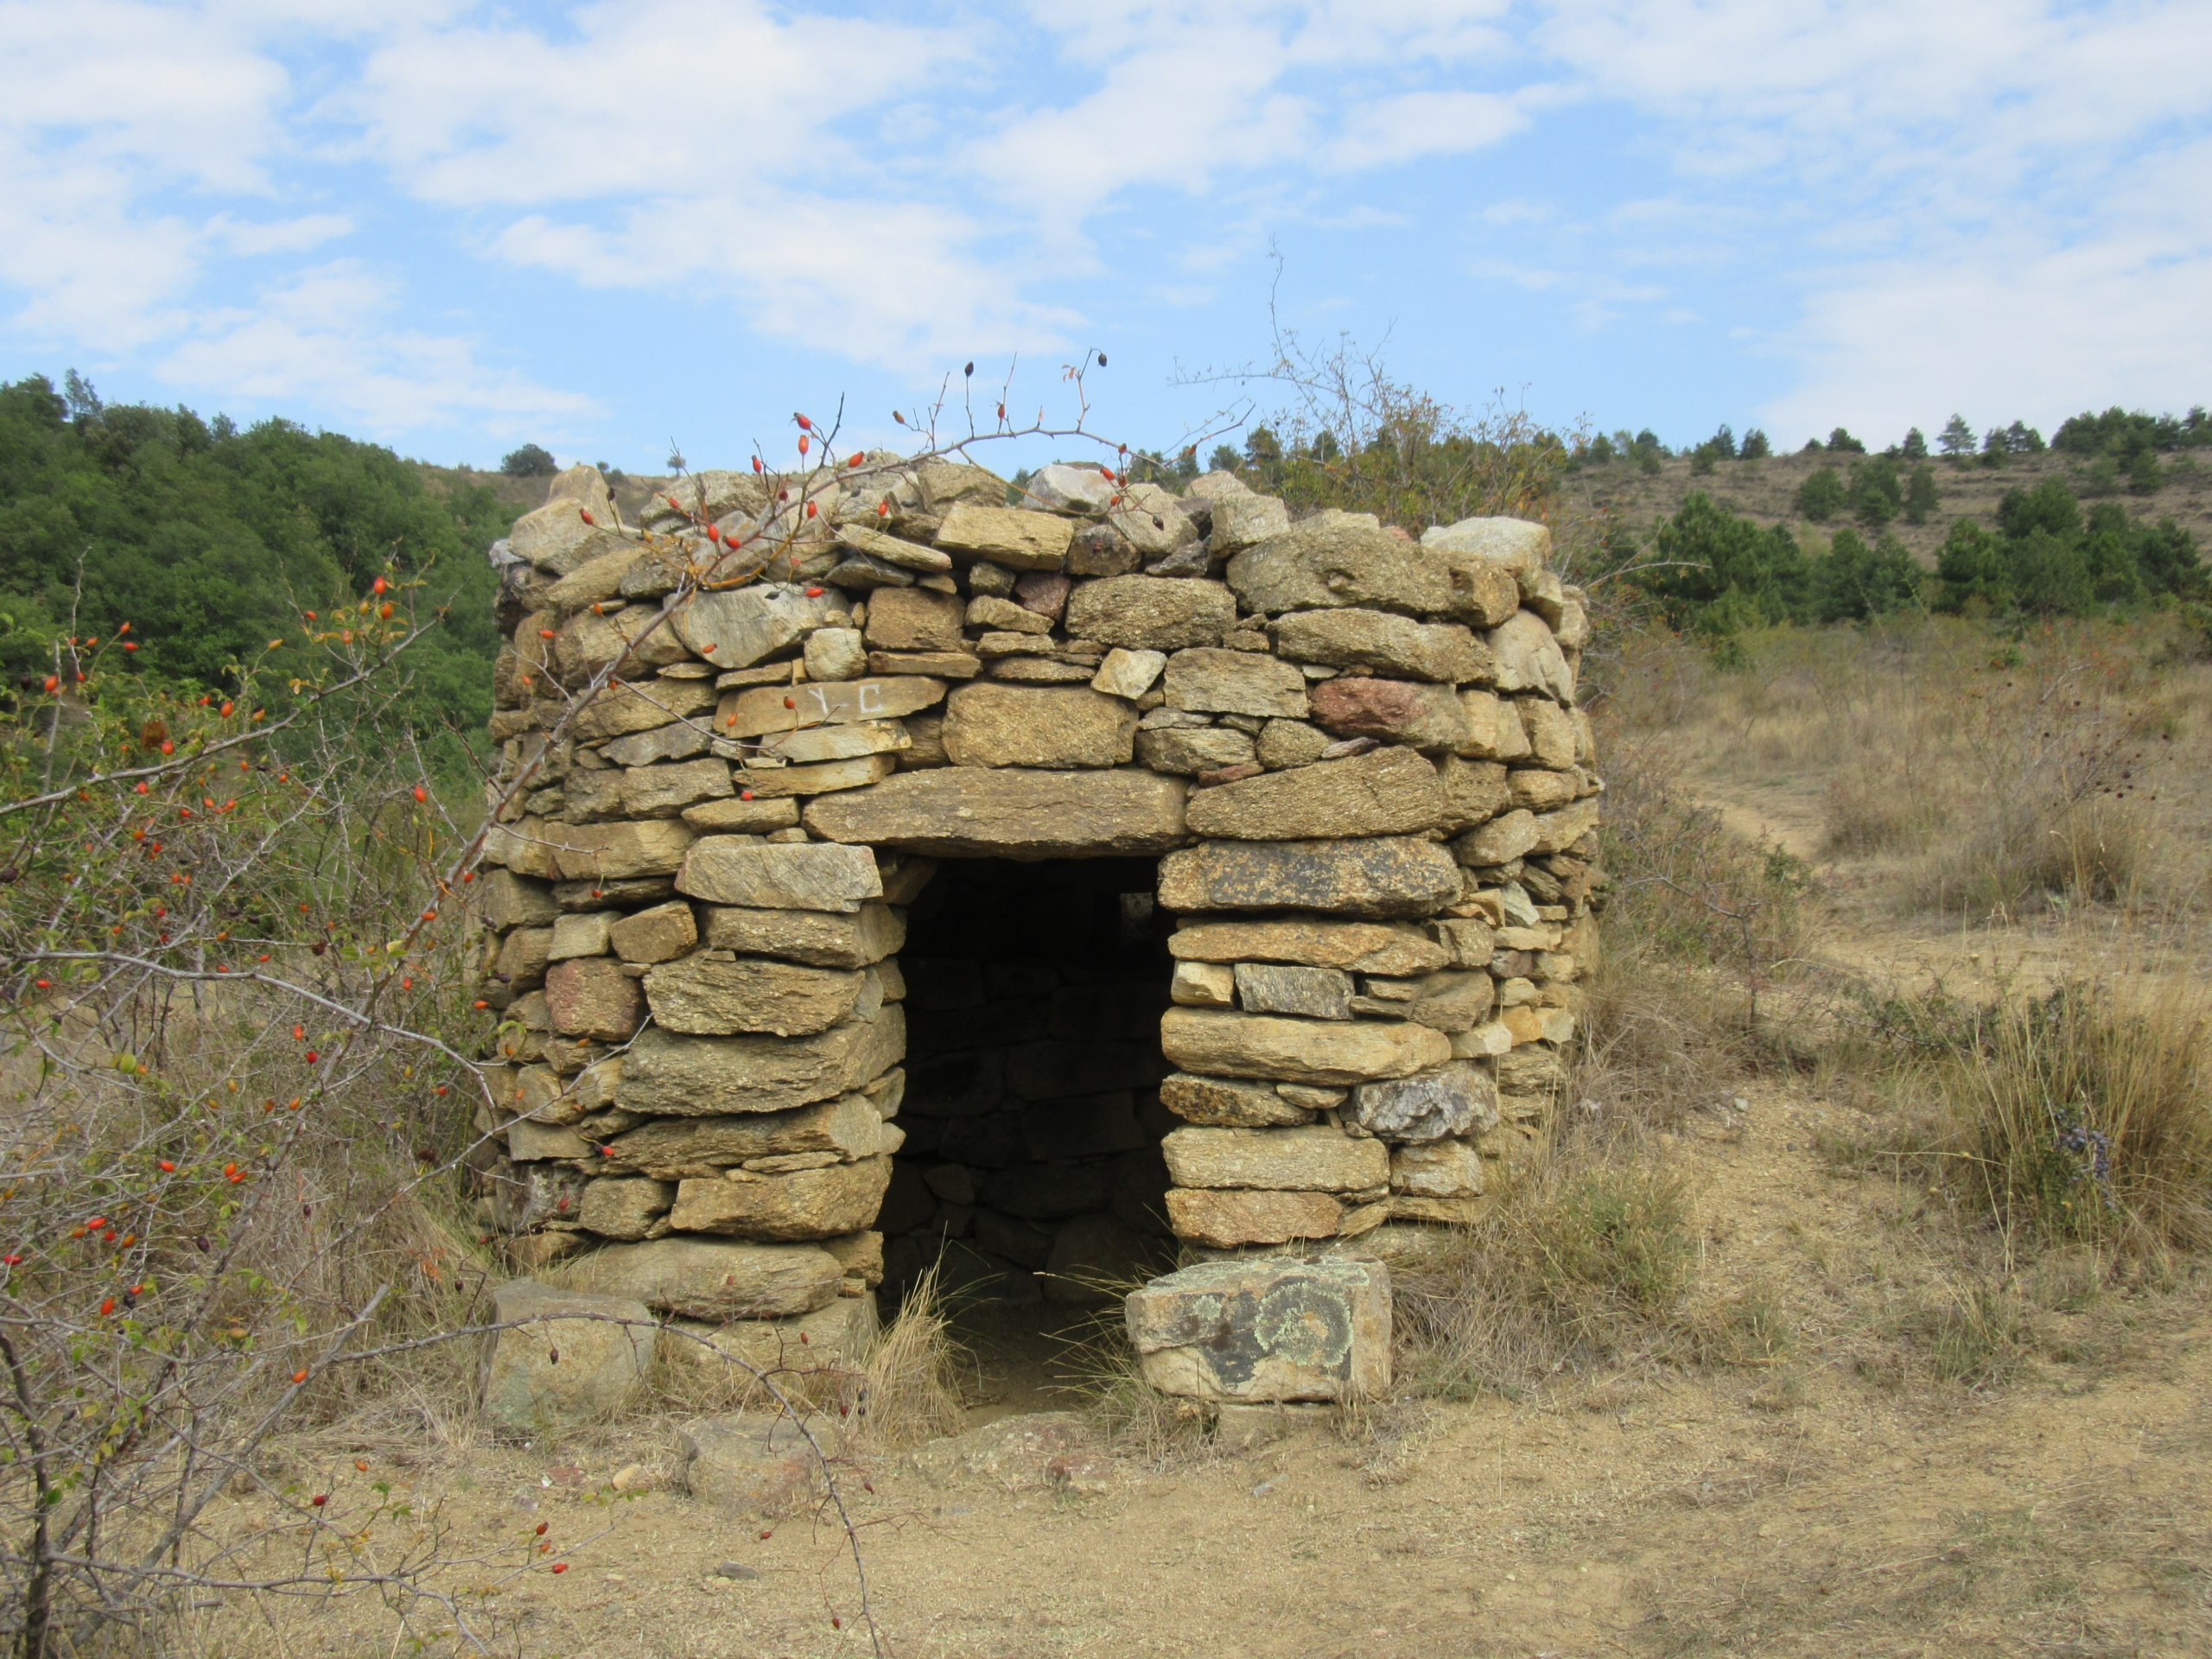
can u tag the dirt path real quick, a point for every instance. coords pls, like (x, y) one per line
(1804, 1510)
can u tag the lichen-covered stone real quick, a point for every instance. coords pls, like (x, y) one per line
(1225, 1102)
(674, 1150)
(625, 1208)
(1267, 1329)
(915, 619)
(1187, 751)
(736, 627)
(1529, 658)
(616, 852)
(1460, 1097)
(1309, 993)
(1388, 876)
(576, 1360)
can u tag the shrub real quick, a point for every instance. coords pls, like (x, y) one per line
(530, 462)
(1821, 496)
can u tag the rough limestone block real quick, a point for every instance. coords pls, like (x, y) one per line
(1187, 751)
(1397, 949)
(738, 626)
(1286, 743)
(1226, 1219)
(1513, 548)
(835, 654)
(853, 742)
(1437, 1169)
(1443, 651)
(664, 1075)
(831, 775)
(906, 556)
(1124, 673)
(1269, 988)
(1206, 679)
(1333, 560)
(819, 938)
(1383, 877)
(620, 852)
(659, 934)
(1151, 613)
(1241, 521)
(767, 708)
(1453, 1002)
(989, 724)
(831, 1338)
(705, 996)
(1474, 791)
(1540, 790)
(672, 1149)
(592, 997)
(1528, 658)
(641, 706)
(710, 1278)
(804, 1204)
(1505, 837)
(1006, 615)
(582, 934)
(1215, 1044)
(1315, 1159)
(625, 1208)
(971, 811)
(1222, 1102)
(1006, 536)
(1272, 1329)
(1557, 831)
(1388, 791)
(572, 1364)
(1460, 1097)
(1204, 985)
(915, 619)
(523, 955)
(741, 817)
(529, 1142)
(724, 870)
(1411, 712)
(511, 900)
(758, 1465)
(1554, 739)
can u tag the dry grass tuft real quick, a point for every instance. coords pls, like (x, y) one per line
(909, 1387)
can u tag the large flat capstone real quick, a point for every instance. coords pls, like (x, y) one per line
(1273, 1328)
(1015, 813)
(1388, 791)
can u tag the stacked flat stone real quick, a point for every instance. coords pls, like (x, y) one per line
(1356, 756)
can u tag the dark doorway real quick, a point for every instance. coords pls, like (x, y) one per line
(1031, 1170)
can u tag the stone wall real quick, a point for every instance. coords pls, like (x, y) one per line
(1356, 759)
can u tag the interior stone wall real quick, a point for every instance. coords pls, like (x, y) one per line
(1348, 764)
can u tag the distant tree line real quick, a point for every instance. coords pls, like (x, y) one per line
(213, 541)
(1713, 570)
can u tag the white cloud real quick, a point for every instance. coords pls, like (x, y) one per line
(1423, 124)
(330, 339)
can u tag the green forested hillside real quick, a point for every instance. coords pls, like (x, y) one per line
(211, 541)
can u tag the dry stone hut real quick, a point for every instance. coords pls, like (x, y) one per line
(1049, 889)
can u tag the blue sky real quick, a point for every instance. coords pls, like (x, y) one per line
(457, 227)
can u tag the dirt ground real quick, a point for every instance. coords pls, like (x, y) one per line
(1827, 1504)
